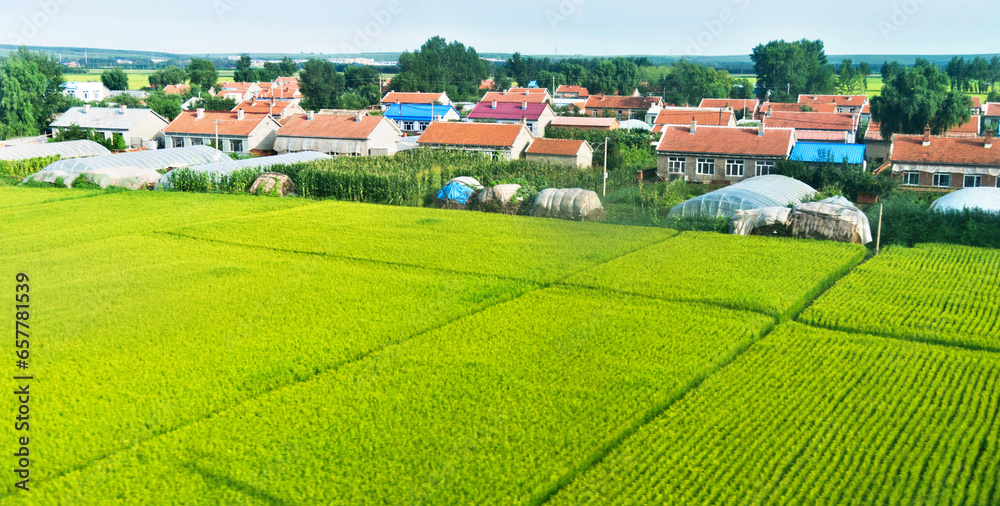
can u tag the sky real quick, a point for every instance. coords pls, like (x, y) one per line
(563, 27)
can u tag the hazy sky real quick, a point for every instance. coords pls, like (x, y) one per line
(721, 27)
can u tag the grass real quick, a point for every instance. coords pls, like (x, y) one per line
(137, 79)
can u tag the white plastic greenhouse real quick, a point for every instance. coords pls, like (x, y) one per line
(754, 193)
(68, 149)
(987, 199)
(227, 167)
(128, 166)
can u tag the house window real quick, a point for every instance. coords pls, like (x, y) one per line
(734, 168)
(676, 165)
(197, 141)
(178, 142)
(424, 125)
(236, 146)
(973, 181)
(765, 168)
(706, 167)
(942, 180)
(911, 179)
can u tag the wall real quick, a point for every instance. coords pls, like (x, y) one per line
(749, 168)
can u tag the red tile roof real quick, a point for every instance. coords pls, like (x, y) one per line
(188, 123)
(530, 91)
(287, 80)
(330, 127)
(471, 134)
(283, 92)
(487, 84)
(992, 109)
(718, 103)
(617, 102)
(786, 107)
(813, 121)
(176, 89)
(841, 100)
(867, 109)
(683, 117)
(559, 147)
(967, 129)
(508, 111)
(821, 136)
(726, 141)
(570, 121)
(412, 98)
(235, 86)
(579, 90)
(976, 103)
(874, 132)
(263, 107)
(944, 151)
(499, 96)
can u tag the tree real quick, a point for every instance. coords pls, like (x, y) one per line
(215, 104)
(441, 66)
(689, 83)
(848, 79)
(203, 73)
(321, 84)
(917, 97)
(168, 76)
(889, 70)
(866, 70)
(245, 73)
(270, 72)
(788, 69)
(21, 85)
(168, 106)
(115, 79)
(288, 67)
(356, 76)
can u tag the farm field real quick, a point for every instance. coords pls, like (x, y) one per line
(204, 348)
(137, 79)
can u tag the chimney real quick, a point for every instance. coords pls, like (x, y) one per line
(86, 108)
(761, 129)
(694, 125)
(311, 115)
(494, 104)
(438, 117)
(524, 121)
(122, 108)
(524, 105)
(927, 136)
(989, 139)
(199, 113)
(357, 117)
(240, 115)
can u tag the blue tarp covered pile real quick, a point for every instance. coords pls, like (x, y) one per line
(456, 192)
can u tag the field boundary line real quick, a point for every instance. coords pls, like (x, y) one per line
(907, 338)
(531, 288)
(679, 300)
(789, 315)
(52, 201)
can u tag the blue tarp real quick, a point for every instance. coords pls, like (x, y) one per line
(818, 152)
(456, 192)
(419, 112)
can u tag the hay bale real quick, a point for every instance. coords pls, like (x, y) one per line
(568, 204)
(827, 220)
(268, 181)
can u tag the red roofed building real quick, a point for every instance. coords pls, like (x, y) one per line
(968, 129)
(279, 110)
(396, 97)
(876, 146)
(520, 96)
(721, 154)
(339, 135)
(561, 152)
(845, 103)
(977, 106)
(945, 163)
(507, 141)
(991, 116)
(567, 91)
(767, 108)
(817, 126)
(237, 132)
(621, 107)
(536, 116)
(749, 106)
(176, 89)
(585, 123)
(703, 115)
(487, 84)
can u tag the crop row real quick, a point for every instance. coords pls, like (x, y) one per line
(812, 416)
(491, 409)
(932, 292)
(764, 274)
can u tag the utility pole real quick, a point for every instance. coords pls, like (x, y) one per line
(604, 190)
(878, 242)
(217, 121)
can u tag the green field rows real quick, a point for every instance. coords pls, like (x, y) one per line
(811, 416)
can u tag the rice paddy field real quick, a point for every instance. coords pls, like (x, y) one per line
(137, 79)
(232, 349)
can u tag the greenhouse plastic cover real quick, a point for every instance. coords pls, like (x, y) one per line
(753, 193)
(227, 167)
(987, 199)
(568, 204)
(156, 160)
(127, 177)
(68, 149)
(471, 182)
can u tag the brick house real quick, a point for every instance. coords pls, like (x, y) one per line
(573, 153)
(507, 141)
(622, 108)
(536, 116)
(721, 154)
(840, 128)
(849, 104)
(945, 163)
(237, 132)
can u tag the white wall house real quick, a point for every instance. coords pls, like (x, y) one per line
(88, 92)
(237, 132)
(135, 126)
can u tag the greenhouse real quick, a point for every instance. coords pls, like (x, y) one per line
(68, 149)
(120, 165)
(753, 193)
(986, 199)
(230, 166)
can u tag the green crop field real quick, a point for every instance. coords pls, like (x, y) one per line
(137, 79)
(231, 349)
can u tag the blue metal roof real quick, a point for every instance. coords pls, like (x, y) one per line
(418, 112)
(818, 152)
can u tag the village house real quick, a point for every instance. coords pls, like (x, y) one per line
(945, 163)
(703, 115)
(278, 110)
(517, 97)
(237, 132)
(748, 107)
(817, 126)
(136, 127)
(395, 97)
(877, 147)
(573, 153)
(505, 141)
(721, 154)
(623, 108)
(240, 92)
(991, 116)
(88, 92)
(849, 104)
(338, 135)
(415, 118)
(767, 108)
(567, 91)
(536, 116)
(607, 124)
(977, 106)
(176, 89)
(968, 129)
